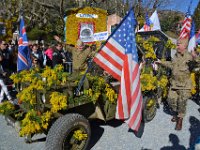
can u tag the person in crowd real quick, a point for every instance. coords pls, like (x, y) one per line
(49, 56)
(14, 56)
(181, 84)
(58, 55)
(35, 62)
(4, 89)
(10, 46)
(6, 64)
(38, 54)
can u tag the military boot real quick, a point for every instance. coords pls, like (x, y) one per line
(174, 119)
(179, 124)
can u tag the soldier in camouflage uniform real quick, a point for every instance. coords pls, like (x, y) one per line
(181, 83)
(80, 55)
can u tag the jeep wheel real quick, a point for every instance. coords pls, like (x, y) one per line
(69, 132)
(149, 108)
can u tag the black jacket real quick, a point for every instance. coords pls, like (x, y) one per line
(57, 58)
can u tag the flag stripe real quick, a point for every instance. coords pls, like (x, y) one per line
(117, 49)
(22, 58)
(136, 118)
(186, 27)
(110, 58)
(109, 55)
(106, 65)
(126, 80)
(120, 109)
(135, 77)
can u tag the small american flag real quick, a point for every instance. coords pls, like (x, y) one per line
(23, 61)
(148, 24)
(119, 58)
(185, 29)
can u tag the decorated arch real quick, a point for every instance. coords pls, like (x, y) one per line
(85, 22)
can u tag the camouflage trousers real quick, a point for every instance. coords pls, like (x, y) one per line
(177, 100)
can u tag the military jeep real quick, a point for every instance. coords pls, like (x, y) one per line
(69, 128)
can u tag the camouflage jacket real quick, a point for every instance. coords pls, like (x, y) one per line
(180, 71)
(79, 57)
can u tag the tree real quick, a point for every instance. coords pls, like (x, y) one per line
(47, 15)
(156, 3)
(196, 16)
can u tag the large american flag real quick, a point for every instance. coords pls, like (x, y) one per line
(185, 29)
(119, 58)
(23, 61)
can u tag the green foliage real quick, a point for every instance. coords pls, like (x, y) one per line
(196, 16)
(170, 22)
(36, 33)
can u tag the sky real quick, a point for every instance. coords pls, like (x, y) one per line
(182, 5)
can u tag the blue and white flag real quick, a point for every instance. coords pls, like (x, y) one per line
(192, 41)
(24, 60)
(154, 23)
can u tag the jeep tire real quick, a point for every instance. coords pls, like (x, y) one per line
(60, 135)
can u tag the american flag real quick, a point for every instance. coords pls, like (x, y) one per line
(185, 29)
(148, 24)
(192, 41)
(23, 61)
(119, 58)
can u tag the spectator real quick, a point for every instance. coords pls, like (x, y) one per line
(35, 63)
(4, 89)
(37, 54)
(6, 64)
(58, 55)
(49, 56)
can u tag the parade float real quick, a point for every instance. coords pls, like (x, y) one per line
(49, 102)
